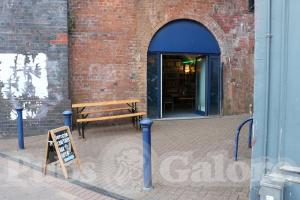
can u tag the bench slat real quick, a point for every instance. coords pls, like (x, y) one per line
(105, 103)
(111, 117)
(99, 111)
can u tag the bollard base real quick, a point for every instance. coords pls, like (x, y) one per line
(149, 189)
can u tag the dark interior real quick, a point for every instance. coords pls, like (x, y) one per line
(179, 86)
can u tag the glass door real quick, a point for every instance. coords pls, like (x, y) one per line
(214, 80)
(201, 71)
(153, 85)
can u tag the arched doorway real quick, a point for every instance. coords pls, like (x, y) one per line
(183, 71)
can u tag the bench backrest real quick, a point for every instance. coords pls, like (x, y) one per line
(105, 103)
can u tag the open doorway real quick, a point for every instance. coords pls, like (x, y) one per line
(183, 72)
(183, 85)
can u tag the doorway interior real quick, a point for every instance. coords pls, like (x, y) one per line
(183, 85)
(184, 73)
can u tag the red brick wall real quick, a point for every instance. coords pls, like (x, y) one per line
(110, 38)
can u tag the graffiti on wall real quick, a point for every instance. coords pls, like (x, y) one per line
(23, 80)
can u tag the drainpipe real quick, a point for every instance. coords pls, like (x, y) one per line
(268, 61)
(262, 170)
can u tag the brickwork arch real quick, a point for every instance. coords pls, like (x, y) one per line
(109, 45)
(148, 34)
(205, 20)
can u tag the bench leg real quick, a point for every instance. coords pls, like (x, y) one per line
(133, 121)
(136, 122)
(82, 128)
(79, 129)
(139, 118)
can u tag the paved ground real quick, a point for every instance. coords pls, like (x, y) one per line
(22, 182)
(192, 159)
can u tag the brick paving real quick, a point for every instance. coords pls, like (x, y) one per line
(192, 159)
(22, 182)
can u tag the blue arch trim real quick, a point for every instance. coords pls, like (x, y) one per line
(184, 36)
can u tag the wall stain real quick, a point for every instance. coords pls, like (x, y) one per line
(23, 80)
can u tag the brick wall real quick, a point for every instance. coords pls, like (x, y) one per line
(109, 42)
(33, 64)
(108, 53)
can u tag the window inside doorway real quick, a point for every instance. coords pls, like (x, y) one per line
(183, 85)
(251, 6)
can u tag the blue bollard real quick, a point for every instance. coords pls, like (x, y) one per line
(250, 134)
(146, 129)
(68, 118)
(237, 136)
(20, 127)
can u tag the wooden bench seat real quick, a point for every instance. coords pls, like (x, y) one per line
(106, 103)
(111, 117)
(111, 110)
(107, 110)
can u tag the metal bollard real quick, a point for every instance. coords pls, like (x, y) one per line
(250, 134)
(237, 136)
(146, 129)
(20, 127)
(68, 118)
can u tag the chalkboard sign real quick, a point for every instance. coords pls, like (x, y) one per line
(60, 148)
(64, 145)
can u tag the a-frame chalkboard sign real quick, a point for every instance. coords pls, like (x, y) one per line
(61, 148)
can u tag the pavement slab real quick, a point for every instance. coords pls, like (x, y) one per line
(191, 159)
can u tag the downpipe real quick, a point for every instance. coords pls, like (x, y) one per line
(254, 188)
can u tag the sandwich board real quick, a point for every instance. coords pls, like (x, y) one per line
(61, 149)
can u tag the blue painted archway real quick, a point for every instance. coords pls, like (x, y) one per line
(183, 37)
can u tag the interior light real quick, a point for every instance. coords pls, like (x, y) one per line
(189, 62)
(187, 69)
(193, 69)
(192, 61)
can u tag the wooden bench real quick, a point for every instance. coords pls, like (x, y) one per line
(129, 105)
